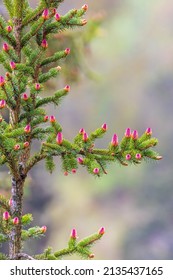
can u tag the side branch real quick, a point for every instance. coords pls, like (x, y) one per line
(24, 256)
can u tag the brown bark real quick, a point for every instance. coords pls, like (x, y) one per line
(15, 242)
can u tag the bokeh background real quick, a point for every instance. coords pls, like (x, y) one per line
(121, 74)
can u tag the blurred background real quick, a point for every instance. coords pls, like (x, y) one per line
(121, 72)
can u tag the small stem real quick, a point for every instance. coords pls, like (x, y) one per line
(23, 255)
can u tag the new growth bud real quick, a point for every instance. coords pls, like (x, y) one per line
(84, 21)
(85, 7)
(45, 14)
(135, 134)
(128, 133)
(27, 128)
(114, 141)
(80, 160)
(46, 118)
(138, 156)
(73, 233)
(5, 47)
(148, 131)
(43, 229)
(57, 17)
(2, 103)
(85, 137)
(6, 216)
(10, 202)
(128, 157)
(12, 65)
(67, 88)
(59, 138)
(26, 144)
(52, 119)
(53, 11)
(25, 96)
(9, 28)
(102, 230)
(82, 131)
(44, 44)
(67, 51)
(15, 221)
(37, 86)
(17, 147)
(58, 68)
(2, 81)
(104, 127)
(96, 170)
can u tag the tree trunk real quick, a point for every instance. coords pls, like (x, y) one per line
(16, 211)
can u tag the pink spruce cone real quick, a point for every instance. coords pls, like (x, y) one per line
(85, 7)
(59, 138)
(128, 133)
(6, 216)
(74, 170)
(9, 28)
(73, 233)
(65, 173)
(67, 51)
(2, 103)
(128, 157)
(46, 118)
(54, 11)
(135, 134)
(104, 127)
(37, 86)
(80, 160)
(27, 128)
(44, 44)
(85, 137)
(5, 47)
(52, 119)
(25, 96)
(81, 131)
(15, 221)
(138, 156)
(26, 144)
(2, 81)
(45, 14)
(67, 88)
(43, 229)
(17, 147)
(10, 202)
(96, 170)
(114, 141)
(148, 131)
(12, 65)
(57, 17)
(102, 230)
